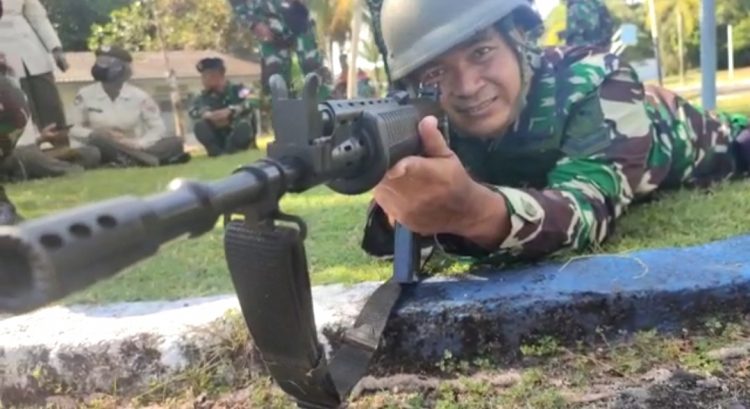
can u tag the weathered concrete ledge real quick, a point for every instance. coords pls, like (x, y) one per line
(128, 345)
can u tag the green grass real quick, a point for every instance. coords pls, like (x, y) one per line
(693, 77)
(197, 267)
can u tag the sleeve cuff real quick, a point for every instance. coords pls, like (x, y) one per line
(526, 217)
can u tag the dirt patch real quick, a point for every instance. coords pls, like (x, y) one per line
(683, 390)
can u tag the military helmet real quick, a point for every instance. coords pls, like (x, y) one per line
(417, 31)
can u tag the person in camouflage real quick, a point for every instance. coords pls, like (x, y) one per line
(14, 114)
(545, 153)
(223, 113)
(283, 27)
(588, 22)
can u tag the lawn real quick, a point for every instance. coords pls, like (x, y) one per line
(693, 77)
(196, 267)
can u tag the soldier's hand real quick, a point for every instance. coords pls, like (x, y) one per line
(433, 194)
(5, 69)
(60, 60)
(48, 134)
(116, 134)
(263, 31)
(223, 114)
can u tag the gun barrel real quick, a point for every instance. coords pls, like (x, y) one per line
(44, 260)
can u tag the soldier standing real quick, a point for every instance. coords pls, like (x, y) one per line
(27, 39)
(283, 27)
(588, 23)
(223, 113)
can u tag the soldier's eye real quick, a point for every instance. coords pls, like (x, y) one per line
(432, 75)
(481, 52)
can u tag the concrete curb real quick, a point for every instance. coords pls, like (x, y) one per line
(129, 345)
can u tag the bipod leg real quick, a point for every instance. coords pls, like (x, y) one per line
(268, 265)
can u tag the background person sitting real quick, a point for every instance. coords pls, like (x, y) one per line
(223, 113)
(121, 120)
(45, 154)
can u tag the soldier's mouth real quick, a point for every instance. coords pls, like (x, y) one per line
(479, 109)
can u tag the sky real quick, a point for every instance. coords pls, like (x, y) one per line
(545, 6)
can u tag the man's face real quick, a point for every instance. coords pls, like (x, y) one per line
(213, 80)
(480, 82)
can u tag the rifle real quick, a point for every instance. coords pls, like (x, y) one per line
(347, 145)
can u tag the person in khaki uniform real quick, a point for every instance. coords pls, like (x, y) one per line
(121, 120)
(46, 154)
(28, 40)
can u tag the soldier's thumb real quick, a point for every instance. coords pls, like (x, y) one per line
(433, 142)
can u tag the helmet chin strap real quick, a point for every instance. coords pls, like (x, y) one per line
(529, 56)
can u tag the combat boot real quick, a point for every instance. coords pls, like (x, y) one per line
(742, 151)
(8, 214)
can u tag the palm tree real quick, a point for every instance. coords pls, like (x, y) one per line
(333, 21)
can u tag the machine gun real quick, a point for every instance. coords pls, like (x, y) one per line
(347, 145)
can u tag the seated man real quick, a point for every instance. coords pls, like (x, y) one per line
(223, 113)
(121, 120)
(547, 148)
(47, 155)
(14, 115)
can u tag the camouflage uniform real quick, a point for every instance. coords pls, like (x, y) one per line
(293, 30)
(598, 140)
(588, 22)
(240, 133)
(13, 117)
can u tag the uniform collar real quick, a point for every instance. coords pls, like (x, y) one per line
(126, 92)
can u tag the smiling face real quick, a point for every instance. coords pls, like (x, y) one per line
(480, 82)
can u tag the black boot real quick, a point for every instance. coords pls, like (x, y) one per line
(8, 214)
(742, 151)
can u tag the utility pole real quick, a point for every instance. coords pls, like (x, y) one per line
(730, 51)
(681, 47)
(708, 54)
(655, 39)
(351, 82)
(171, 76)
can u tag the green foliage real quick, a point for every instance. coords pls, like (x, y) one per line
(129, 26)
(73, 19)
(184, 25)
(735, 12)
(546, 346)
(534, 391)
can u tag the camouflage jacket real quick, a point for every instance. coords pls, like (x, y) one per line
(13, 116)
(588, 22)
(235, 96)
(591, 140)
(285, 18)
